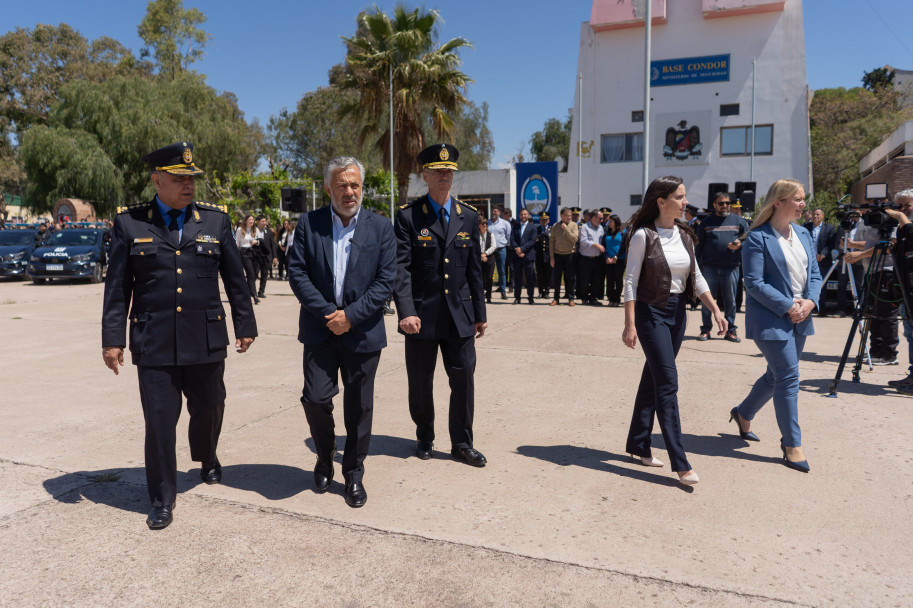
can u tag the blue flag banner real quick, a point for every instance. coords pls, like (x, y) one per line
(690, 70)
(537, 189)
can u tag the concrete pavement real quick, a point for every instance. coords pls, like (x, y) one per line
(559, 517)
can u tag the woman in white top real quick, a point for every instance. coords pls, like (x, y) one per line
(488, 245)
(247, 238)
(782, 286)
(661, 274)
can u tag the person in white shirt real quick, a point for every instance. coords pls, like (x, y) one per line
(591, 250)
(247, 238)
(500, 230)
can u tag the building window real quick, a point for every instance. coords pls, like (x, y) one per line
(636, 200)
(735, 141)
(729, 109)
(637, 116)
(623, 148)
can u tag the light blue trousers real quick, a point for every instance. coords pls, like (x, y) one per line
(780, 382)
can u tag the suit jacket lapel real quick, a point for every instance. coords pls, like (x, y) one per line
(776, 253)
(325, 226)
(358, 241)
(456, 221)
(192, 226)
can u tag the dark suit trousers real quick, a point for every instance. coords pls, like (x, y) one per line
(564, 265)
(459, 355)
(524, 268)
(488, 270)
(160, 390)
(590, 279)
(323, 364)
(660, 331)
(265, 265)
(615, 280)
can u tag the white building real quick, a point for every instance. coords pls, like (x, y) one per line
(701, 99)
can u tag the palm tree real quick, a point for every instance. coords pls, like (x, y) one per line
(425, 83)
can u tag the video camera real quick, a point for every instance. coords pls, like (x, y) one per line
(877, 200)
(843, 215)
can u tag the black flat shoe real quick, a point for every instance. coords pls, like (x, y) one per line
(160, 517)
(424, 449)
(799, 465)
(323, 472)
(746, 435)
(211, 474)
(355, 494)
(470, 456)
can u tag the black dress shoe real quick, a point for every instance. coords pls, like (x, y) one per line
(531, 301)
(211, 474)
(424, 449)
(516, 300)
(261, 294)
(323, 472)
(355, 494)
(160, 517)
(388, 310)
(469, 455)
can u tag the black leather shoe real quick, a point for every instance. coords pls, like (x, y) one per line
(160, 517)
(424, 449)
(211, 474)
(355, 494)
(323, 472)
(531, 301)
(516, 300)
(261, 295)
(388, 310)
(470, 456)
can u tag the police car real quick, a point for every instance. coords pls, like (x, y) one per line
(16, 247)
(71, 254)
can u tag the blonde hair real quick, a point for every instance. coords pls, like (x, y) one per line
(780, 190)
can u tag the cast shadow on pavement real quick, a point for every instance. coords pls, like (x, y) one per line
(102, 487)
(846, 385)
(598, 460)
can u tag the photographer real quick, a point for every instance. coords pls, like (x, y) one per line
(852, 226)
(903, 251)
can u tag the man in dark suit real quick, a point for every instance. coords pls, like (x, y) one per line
(440, 302)
(522, 242)
(267, 249)
(826, 241)
(164, 265)
(342, 269)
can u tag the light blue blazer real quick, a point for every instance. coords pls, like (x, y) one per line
(768, 287)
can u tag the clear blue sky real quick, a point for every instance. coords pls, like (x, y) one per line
(523, 59)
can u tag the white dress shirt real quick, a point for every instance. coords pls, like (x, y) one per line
(342, 246)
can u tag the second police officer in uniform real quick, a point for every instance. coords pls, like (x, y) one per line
(164, 266)
(440, 301)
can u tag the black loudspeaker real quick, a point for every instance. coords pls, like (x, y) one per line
(745, 192)
(712, 190)
(293, 200)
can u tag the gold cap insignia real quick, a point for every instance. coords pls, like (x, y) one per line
(187, 156)
(444, 153)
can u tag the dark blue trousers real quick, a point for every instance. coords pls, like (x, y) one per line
(660, 331)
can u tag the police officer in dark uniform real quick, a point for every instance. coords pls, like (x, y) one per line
(165, 259)
(543, 268)
(440, 301)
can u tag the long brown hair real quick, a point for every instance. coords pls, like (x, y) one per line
(661, 187)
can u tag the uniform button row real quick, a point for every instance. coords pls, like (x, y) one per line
(179, 309)
(180, 290)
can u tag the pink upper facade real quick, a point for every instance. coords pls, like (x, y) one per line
(619, 14)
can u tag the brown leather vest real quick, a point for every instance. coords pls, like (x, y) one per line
(655, 284)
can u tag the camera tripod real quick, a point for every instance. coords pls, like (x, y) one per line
(864, 310)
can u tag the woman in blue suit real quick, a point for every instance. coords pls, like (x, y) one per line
(783, 284)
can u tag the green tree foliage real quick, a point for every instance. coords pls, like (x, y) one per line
(425, 81)
(552, 141)
(845, 126)
(878, 79)
(172, 37)
(127, 117)
(472, 137)
(34, 65)
(314, 133)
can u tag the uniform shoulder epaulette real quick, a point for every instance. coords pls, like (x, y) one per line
(409, 204)
(467, 205)
(133, 207)
(213, 206)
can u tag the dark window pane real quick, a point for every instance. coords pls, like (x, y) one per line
(729, 109)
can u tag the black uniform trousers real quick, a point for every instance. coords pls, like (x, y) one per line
(615, 281)
(264, 266)
(589, 281)
(660, 331)
(323, 364)
(160, 389)
(524, 268)
(564, 265)
(459, 355)
(543, 273)
(249, 260)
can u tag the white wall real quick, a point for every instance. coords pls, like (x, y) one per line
(613, 74)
